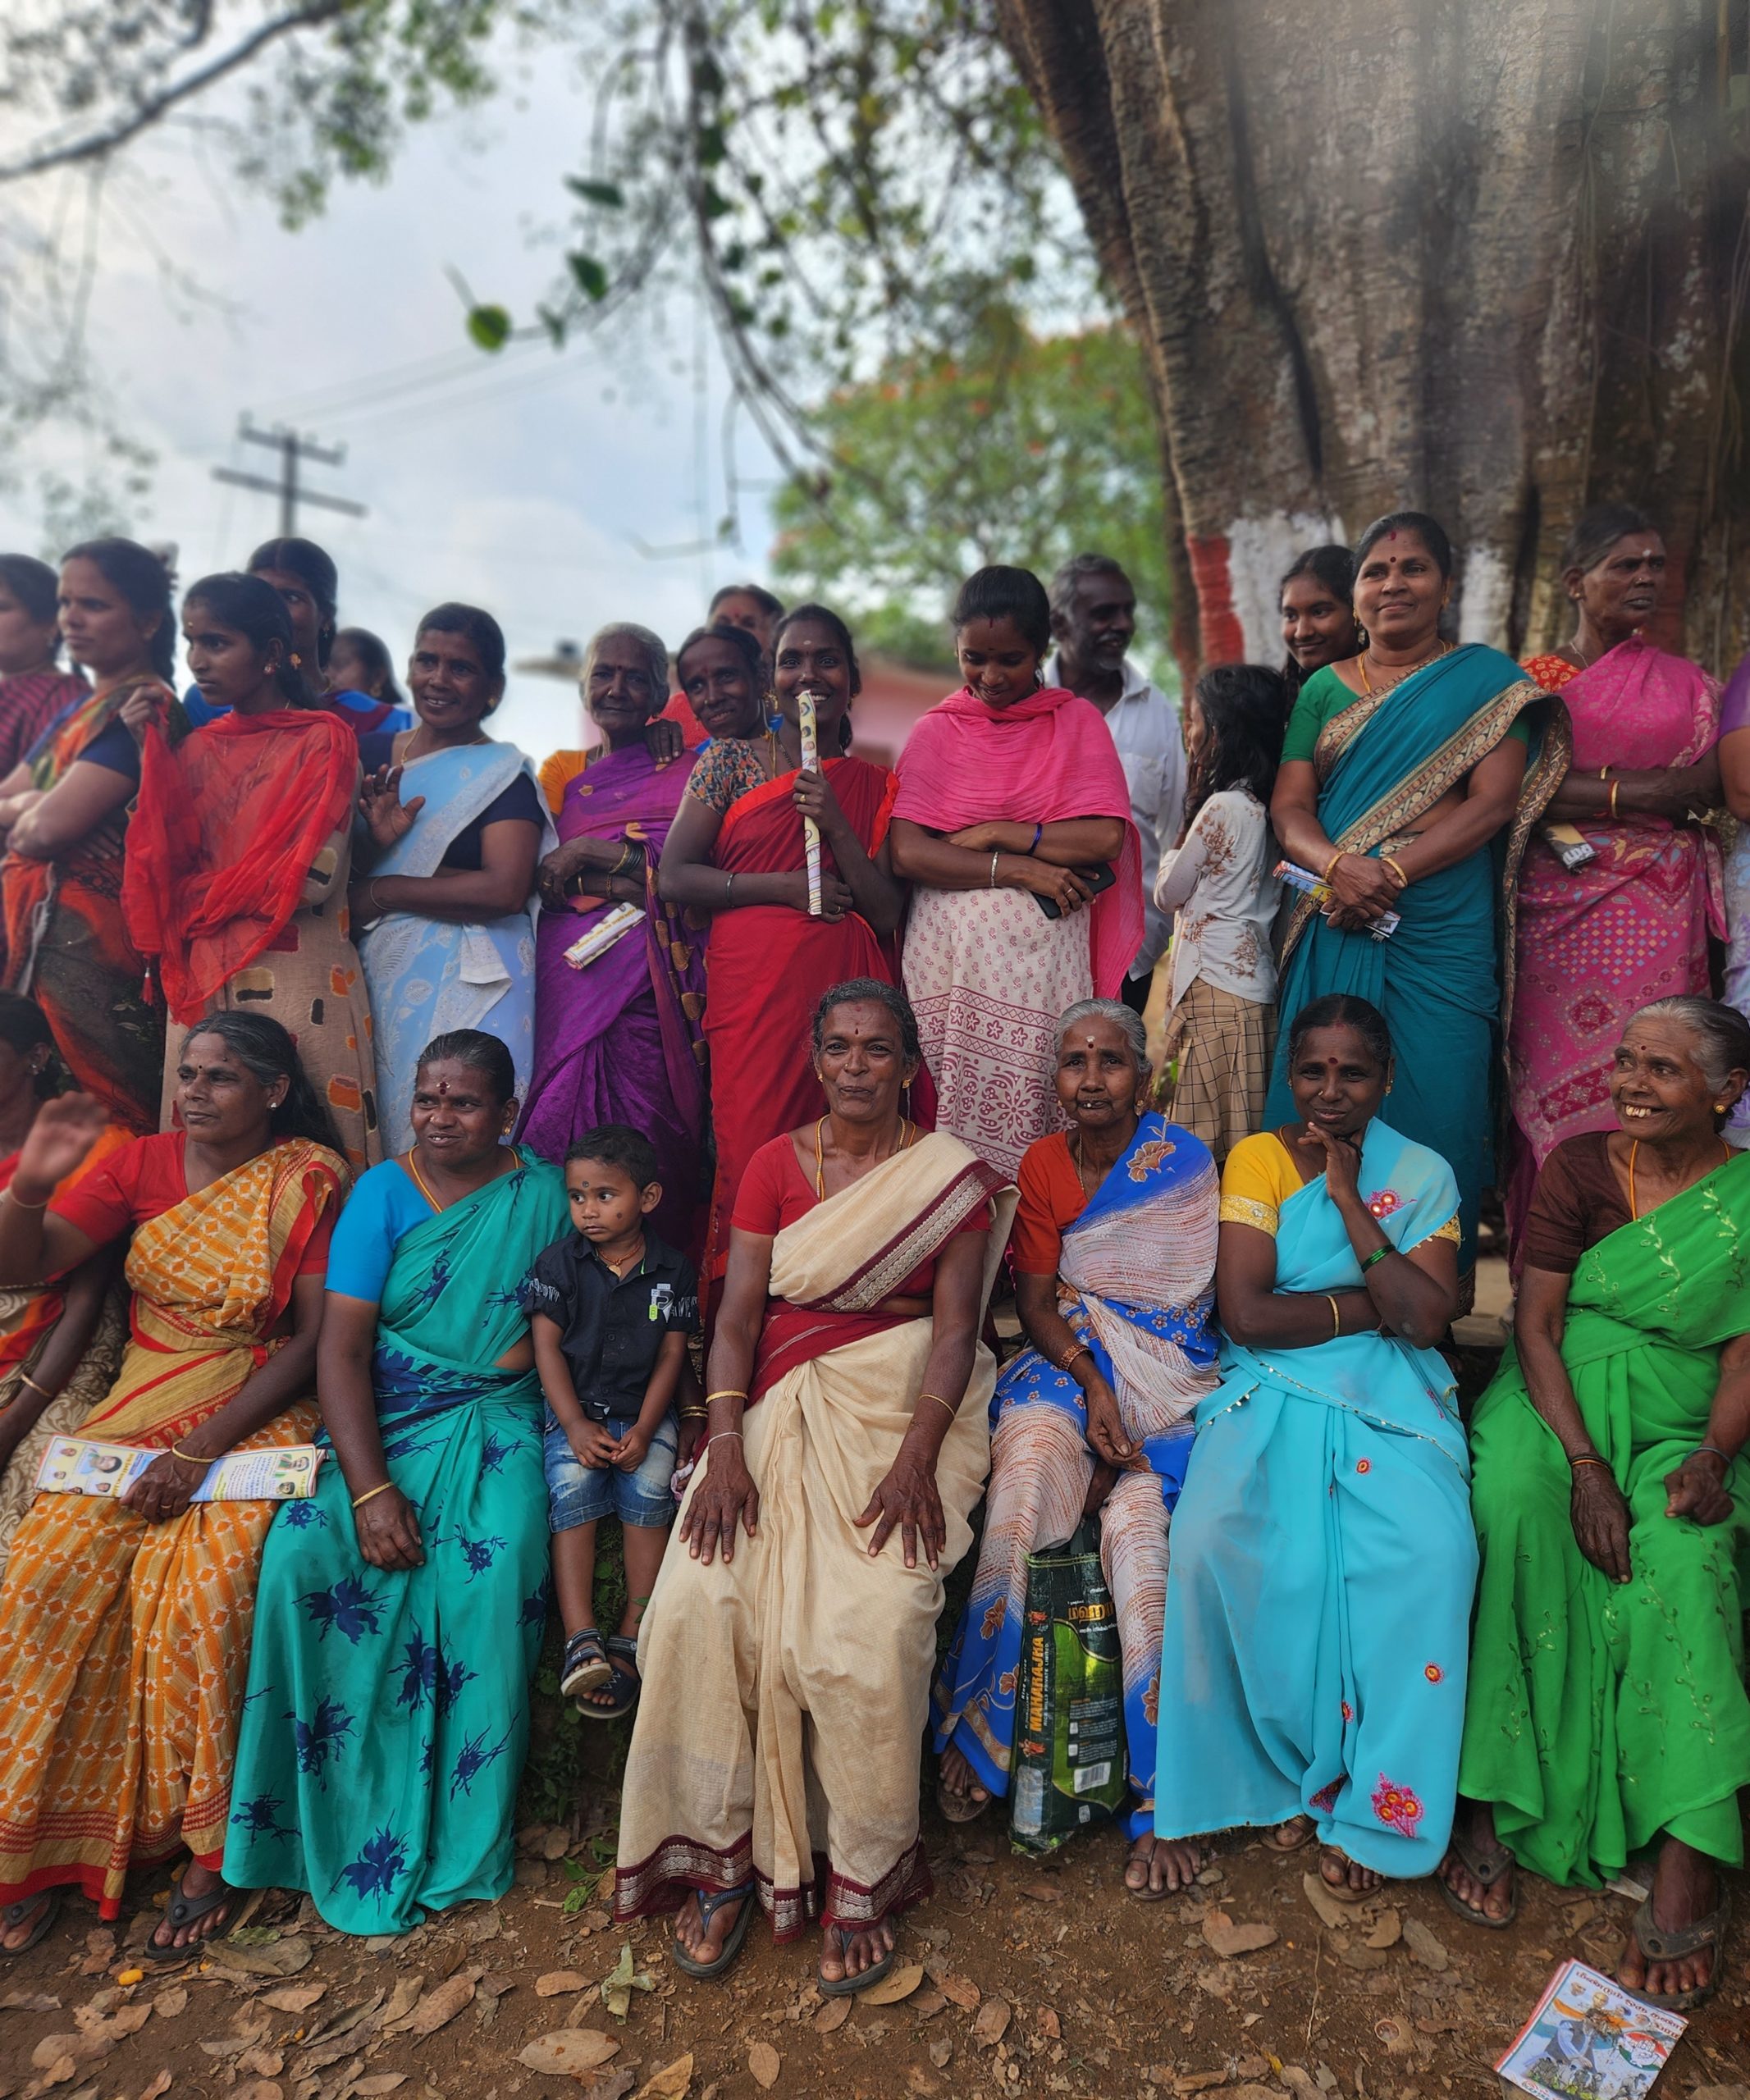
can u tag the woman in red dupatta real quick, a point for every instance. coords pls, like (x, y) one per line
(736, 851)
(240, 852)
(64, 814)
(1597, 944)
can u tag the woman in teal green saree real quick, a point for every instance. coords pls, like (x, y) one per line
(400, 1610)
(1411, 776)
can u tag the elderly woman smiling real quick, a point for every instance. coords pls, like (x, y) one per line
(1607, 1709)
(786, 1678)
(1114, 1253)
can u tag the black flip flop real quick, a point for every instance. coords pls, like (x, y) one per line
(625, 1685)
(1657, 1944)
(1485, 1867)
(15, 1915)
(190, 1911)
(710, 1902)
(851, 1987)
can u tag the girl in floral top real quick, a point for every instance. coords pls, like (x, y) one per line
(1222, 1022)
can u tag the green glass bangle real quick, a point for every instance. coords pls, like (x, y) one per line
(1378, 1254)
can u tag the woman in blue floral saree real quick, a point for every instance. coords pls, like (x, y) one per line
(387, 1715)
(1319, 1601)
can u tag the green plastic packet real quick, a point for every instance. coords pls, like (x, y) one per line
(1068, 1762)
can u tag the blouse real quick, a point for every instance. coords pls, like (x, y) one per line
(140, 1182)
(1261, 1175)
(383, 1208)
(1321, 699)
(1219, 885)
(727, 769)
(1577, 1203)
(1051, 1198)
(520, 803)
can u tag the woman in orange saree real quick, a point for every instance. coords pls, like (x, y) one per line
(735, 850)
(128, 1621)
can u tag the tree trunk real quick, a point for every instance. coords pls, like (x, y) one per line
(1486, 259)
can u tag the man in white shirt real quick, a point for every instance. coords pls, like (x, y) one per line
(1094, 618)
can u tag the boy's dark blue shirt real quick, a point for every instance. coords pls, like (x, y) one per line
(612, 1327)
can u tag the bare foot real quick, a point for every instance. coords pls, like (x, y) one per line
(15, 1936)
(1291, 1836)
(847, 1952)
(1494, 1900)
(1344, 1876)
(690, 1934)
(1161, 1866)
(1685, 1889)
(199, 1881)
(957, 1779)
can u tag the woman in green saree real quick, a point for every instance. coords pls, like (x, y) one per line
(1411, 776)
(1607, 1714)
(400, 1610)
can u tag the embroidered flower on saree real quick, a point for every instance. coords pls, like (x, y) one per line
(1325, 1800)
(1349, 1711)
(1434, 1673)
(1383, 1202)
(1398, 1807)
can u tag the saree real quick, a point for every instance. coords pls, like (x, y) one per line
(785, 1692)
(1602, 1714)
(428, 976)
(986, 971)
(1136, 1283)
(31, 702)
(766, 967)
(127, 1643)
(1319, 1601)
(387, 1715)
(67, 944)
(620, 1041)
(1438, 981)
(1629, 927)
(1734, 714)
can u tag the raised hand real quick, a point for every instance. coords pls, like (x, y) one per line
(814, 798)
(1342, 1164)
(58, 1143)
(145, 705)
(380, 804)
(663, 740)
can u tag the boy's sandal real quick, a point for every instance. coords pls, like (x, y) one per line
(190, 1909)
(586, 1665)
(1657, 1944)
(15, 1914)
(710, 1902)
(1486, 1865)
(849, 1987)
(625, 1685)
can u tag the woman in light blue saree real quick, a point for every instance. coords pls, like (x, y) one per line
(1411, 776)
(1319, 1600)
(447, 904)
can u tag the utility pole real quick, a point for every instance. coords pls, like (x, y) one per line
(293, 450)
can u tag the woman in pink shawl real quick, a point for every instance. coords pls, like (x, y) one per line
(1597, 942)
(1013, 822)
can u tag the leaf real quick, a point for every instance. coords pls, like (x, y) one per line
(615, 2085)
(568, 2051)
(960, 1990)
(557, 1982)
(488, 327)
(289, 1997)
(591, 278)
(438, 2008)
(1229, 1939)
(169, 2003)
(832, 2015)
(403, 1998)
(1043, 1891)
(159, 2086)
(941, 2050)
(763, 2061)
(992, 2023)
(28, 2002)
(671, 2082)
(1336, 1914)
(285, 1957)
(609, 194)
(897, 1984)
(1049, 2025)
(259, 2088)
(1423, 1944)
(1389, 1931)
(381, 2081)
(1360, 1957)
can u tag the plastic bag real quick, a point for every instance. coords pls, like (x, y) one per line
(1069, 1763)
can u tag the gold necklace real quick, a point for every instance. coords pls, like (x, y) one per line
(907, 1132)
(1409, 671)
(1634, 1146)
(413, 1168)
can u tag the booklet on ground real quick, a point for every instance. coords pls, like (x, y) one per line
(1589, 2039)
(76, 1465)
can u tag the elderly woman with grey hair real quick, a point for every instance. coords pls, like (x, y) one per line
(445, 909)
(1114, 1254)
(618, 1037)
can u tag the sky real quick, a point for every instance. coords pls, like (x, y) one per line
(527, 483)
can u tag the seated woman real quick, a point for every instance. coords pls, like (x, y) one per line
(1319, 1601)
(1114, 1256)
(1608, 1715)
(447, 938)
(127, 1623)
(787, 1680)
(401, 1610)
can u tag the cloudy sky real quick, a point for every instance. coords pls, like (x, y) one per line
(527, 483)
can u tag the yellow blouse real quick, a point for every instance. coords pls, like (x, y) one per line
(1260, 1176)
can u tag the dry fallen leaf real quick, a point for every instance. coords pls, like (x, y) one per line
(1361, 1957)
(169, 2003)
(557, 1982)
(267, 2063)
(28, 2002)
(1043, 1891)
(556, 1843)
(289, 1997)
(282, 1957)
(1200, 2081)
(1229, 1939)
(1423, 1944)
(1389, 1931)
(438, 2008)
(832, 2015)
(897, 1983)
(381, 2081)
(616, 2083)
(1336, 1914)
(941, 2051)
(670, 2083)
(259, 2088)
(961, 1990)
(763, 2061)
(568, 2051)
(992, 2023)
(927, 2002)
(158, 2087)
(1048, 2024)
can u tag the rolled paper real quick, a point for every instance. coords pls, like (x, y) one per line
(810, 829)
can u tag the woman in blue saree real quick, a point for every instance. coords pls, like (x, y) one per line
(1319, 1601)
(400, 1610)
(1114, 1254)
(448, 934)
(1411, 776)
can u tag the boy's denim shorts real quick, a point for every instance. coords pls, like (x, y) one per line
(584, 1495)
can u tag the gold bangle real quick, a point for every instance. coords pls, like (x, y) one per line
(177, 1451)
(359, 1500)
(18, 1206)
(940, 1402)
(1611, 805)
(726, 1395)
(25, 1379)
(1337, 1317)
(1331, 863)
(1390, 861)
(1070, 1355)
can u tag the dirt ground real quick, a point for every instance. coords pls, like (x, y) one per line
(1038, 1977)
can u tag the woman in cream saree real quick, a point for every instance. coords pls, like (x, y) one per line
(787, 1674)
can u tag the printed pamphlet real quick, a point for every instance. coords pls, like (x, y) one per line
(76, 1465)
(1589, 2039)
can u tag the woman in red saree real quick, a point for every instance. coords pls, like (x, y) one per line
(1597, 944)
(736, 850)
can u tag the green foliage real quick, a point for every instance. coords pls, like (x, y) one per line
(1025, 450)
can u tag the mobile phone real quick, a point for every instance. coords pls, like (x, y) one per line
(1098, 878)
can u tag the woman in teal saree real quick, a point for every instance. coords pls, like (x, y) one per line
(400, 1610)
(1411, 776)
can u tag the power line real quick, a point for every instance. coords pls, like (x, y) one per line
(293, 450)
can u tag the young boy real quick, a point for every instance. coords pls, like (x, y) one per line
(610, 1307)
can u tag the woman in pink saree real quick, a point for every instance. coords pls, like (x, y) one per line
(1597, 942)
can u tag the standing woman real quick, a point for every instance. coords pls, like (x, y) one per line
(1012, 798)
(618, 1039)
(64, 814)
(736, 851)
(1317, 603)
(448, 936)
(239, 849)
(34, 691)
(1597, 942)
(1410, 777)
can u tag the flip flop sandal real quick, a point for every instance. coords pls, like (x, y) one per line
(15, 1915)
(1658, 1944)
(850, 1987)
(1309, 1830)
(190, 1909)
(586, 1665)
(961, 1808)
(1486, 1866)
(625, 1684)
(1148, 1894)
(709, 1904)
(1339, 1891)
